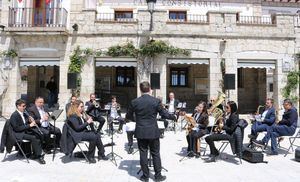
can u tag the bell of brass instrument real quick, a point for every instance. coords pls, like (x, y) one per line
(96, 104)
(215, 112)
(219, 125)
(258, 108)
(191, 123)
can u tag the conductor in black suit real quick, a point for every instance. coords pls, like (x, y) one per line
(23, 130)
(145, 109)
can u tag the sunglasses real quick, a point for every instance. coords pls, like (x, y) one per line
(23, 106)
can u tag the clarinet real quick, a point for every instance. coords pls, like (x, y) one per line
(31, 119)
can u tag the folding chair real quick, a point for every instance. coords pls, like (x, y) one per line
(211, 125)
(17, 142)
(77, 144)
(292, 140)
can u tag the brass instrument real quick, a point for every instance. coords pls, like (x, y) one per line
(96, 104)
(191, 123)
(258, 108)
(219, 125)
(215, 112)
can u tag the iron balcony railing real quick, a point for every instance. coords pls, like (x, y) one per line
(37, 17)
(113, 17)
(189, 18)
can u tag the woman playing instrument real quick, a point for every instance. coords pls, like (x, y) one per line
(225, 131)
(201, 117)
(84, 129)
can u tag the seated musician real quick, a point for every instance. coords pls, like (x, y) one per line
(201, 117)
(85, 131)
(72, 100)
(225, 131)
(267, 119)
(114, 113)
(212, 101)
(172, 103)
(41, 117)
(94, 110)
(286, 127)
(23, 130)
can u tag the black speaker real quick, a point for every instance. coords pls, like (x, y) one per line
(155, 81)
(229, 81)
(72, 79)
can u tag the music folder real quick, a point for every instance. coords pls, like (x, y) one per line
(55, 114)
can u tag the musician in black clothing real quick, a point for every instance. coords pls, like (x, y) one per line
(114, 113)
(201, 117)
(24, 130)
(225, 131)
(68, 105)
(84, 130)
(94, 110)
(145, 109)
(41, 117)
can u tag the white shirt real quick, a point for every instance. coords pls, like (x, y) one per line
(113, 112)
(263, 115)
(44, 123)
(171, 108)
(22, 116)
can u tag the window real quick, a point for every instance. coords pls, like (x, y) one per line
(177, 15)
(179, 77)
(270, 87)
(125, 76)
(123, 15)
(240, 78)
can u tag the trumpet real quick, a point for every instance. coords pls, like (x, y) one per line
(31, 120)
(96, 104)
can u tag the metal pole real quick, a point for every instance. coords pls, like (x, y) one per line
(151, 21)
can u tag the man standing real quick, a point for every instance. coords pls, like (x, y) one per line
(23, 130)
(52, 87)
(145, 109)
(266, 120)
(286, 127)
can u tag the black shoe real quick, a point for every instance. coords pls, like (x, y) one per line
(211, 159)
(272, 153)
(253, 137)
(160, 178)
(92, 160)
(197, 155)
(144, 178)
(130, 150)
(41, 160)
(102, 157)
(191, 154)
(259, 143)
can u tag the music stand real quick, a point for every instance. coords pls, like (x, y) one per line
(112, 153)
(54, 115)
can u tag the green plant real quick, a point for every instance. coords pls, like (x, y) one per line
(127, 49)
(10, 53)
(223, 71)
(291, 85)
(77, 60)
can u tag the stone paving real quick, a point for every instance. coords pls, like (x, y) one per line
(173, 148)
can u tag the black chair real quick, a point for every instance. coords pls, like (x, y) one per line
(9, 140)
(67, 128)
(292, 141)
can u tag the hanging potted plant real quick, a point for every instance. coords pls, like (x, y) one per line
(8, 57)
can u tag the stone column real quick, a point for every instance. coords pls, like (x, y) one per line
(87, 79)
(160, 66)
(279, 78)
(231, 68)
(13, 90)
(214, 76)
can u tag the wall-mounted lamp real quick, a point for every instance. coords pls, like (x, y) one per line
(151, 7)
(75, 27)
(7, 63)
(286, 66)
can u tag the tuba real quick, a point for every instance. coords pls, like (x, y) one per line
(215, 112)
(96, 104)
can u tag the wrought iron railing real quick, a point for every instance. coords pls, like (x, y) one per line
(112, 17)
(190, 18)
(256, 20)
(37, 17)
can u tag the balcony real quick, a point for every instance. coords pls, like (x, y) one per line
(117, 18)
(189, 18)
(37, 19)
(256, 20)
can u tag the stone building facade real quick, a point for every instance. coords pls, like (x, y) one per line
(257, 47)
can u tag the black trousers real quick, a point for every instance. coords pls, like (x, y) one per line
(94, 141)
(130, 135)
(119, 119)
(154, 145)
(101, 121)
(192, 138)
(35, 143)
(51, 130)
(219, 137)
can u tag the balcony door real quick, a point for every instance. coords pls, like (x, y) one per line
(44, 12)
